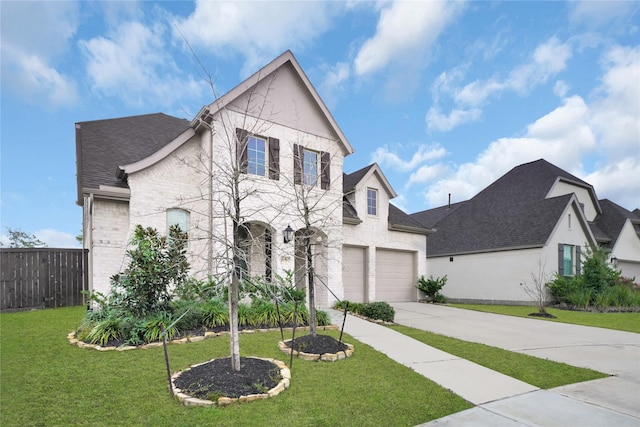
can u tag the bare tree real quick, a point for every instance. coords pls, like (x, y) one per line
(536, 287)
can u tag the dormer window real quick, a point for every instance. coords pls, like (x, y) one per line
(372, 201)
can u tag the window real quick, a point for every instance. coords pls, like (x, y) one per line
(310, 168)
(568, 260)
(307, 169)
(372, 201)
(178, 217)
(256, 156)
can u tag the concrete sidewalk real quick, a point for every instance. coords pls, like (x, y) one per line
(500, 400)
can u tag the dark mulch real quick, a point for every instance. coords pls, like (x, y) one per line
(545, 315)
(216, 378)
(320, 344)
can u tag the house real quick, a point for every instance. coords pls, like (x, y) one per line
(537, 218)
(271, 146)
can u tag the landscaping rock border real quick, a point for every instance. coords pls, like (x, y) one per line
(71, 337)
(326, 357)
(188, 400)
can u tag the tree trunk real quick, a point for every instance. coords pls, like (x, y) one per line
(312, 296)
(233, 323)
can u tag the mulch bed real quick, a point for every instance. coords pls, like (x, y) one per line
(320, 344)
(545, 315)
(217, 379)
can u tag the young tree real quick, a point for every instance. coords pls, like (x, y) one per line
(536, 288)
(20, 239)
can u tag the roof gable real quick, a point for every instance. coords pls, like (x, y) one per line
(612, 219)
(103, 145)
(355, 180)
(280, 92)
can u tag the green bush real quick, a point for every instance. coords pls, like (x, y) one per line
(561, 287)
(431, 286)
(106, 330)
(215, 313)
(155, 325)
(580, 297)
(378, 311)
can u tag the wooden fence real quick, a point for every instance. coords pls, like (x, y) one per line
(42, 277)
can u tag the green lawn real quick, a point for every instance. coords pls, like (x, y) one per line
(44, 381)
(629, 322)
(541, 373)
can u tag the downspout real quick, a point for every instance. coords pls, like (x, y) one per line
(89, 242)
(210, 235)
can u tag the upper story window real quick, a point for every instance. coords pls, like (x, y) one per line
(256, 156)
(310, 168)
(372, 201)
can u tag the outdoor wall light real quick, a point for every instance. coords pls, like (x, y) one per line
(288, 234)
(614, 261)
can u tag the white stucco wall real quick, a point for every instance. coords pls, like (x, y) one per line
(491, 277)
(584, 196)
(374, 233)
(627, 250)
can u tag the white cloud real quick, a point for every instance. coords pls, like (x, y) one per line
(596, 14)
(333, 82)
(443, 122)
(32, 59)
(405, 32)
(426, 173)
(608, 127)
(57, 239)
(132, 64)
(256, 30)
(384, 157)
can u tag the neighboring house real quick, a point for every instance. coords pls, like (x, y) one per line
(620, 234)
(537, 216)
(275, 138)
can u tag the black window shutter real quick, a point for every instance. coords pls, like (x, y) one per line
(325, 174)
(560, 259)
(297, 163)
(242, 152)
(274, 158)
(578, 260)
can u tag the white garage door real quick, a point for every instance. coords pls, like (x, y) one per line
(395, 276)
(353, 273)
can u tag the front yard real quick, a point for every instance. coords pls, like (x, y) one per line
(45, 381)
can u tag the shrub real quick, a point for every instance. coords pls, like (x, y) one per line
(155, 325)
(215, 313)
(561, 287)
(580, 297)
(264, 313)
(431, 286)
(378, 311)
(322, 318)
(105, 331)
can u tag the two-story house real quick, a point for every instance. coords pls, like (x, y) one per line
(269, 151)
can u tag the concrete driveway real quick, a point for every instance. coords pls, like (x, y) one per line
(613, 352)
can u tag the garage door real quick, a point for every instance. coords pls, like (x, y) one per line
(353, 273)
(395, 276)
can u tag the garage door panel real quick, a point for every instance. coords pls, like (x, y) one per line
(395, 276)
(354, 273)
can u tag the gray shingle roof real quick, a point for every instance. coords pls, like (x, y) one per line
(612, 219)
(103, 145)
(349, 181)
(511, 212)
(398, 218)
(431, 217)
(349, 212)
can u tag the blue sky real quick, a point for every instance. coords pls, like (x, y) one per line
(446, 97)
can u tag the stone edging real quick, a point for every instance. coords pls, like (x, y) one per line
(326, 357)
(71, 337)
(187, 400)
